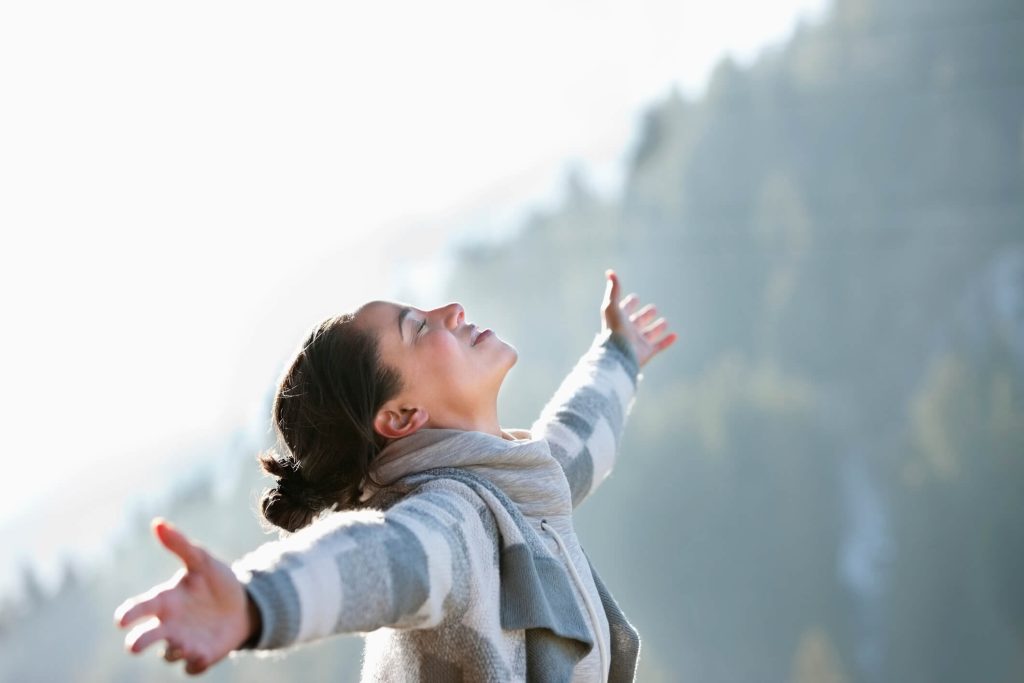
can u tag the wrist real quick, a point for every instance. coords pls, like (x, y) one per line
(619, 341)
(254, 624)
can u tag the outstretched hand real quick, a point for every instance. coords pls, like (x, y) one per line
(202, 611)
(648, 336)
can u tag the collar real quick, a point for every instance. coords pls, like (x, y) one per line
(521, 466)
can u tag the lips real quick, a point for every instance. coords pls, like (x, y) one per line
(477, 335)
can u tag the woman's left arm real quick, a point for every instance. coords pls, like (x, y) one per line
(584, 420)
(646, 333)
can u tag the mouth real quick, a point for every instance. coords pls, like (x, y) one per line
(479, 336)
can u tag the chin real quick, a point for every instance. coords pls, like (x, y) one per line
(513, 354)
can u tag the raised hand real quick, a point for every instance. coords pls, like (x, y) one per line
(648, 336)
(202, 611)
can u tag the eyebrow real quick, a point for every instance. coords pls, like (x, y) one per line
(401, 320)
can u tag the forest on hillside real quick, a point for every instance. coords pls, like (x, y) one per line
(825, 474)
(821, 481)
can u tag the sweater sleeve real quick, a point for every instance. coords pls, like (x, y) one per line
(360, 570)
(584, 420)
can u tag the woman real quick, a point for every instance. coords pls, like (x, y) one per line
(451, 539)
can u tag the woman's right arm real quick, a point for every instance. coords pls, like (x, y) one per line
(361, 570)
(350, 572)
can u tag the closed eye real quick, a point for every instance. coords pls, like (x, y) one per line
(422, 325)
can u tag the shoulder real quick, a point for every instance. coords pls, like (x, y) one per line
(451, 520)
(452, 495)
(418, 488)
(449, 501)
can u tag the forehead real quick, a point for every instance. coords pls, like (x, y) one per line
(379, 317)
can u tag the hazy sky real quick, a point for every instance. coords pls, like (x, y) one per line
(185, 187)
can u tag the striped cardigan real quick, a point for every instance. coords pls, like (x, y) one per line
(464, 564)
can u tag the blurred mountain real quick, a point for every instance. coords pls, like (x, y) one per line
(827, 467)
(821, 481)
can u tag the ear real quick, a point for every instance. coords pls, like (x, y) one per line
(394, 422)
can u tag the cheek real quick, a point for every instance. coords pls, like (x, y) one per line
(443, 355)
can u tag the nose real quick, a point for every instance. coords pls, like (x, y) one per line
(453, 315)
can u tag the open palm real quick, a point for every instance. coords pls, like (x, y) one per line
(647, 335)
(202, 611)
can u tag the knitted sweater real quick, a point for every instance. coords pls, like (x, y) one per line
(464, 565)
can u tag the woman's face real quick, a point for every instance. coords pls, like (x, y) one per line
(450, 368)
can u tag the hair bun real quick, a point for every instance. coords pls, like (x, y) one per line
(293, 503)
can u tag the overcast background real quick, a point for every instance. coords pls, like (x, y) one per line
(187, 187)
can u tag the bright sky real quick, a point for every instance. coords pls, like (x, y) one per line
(185, 186)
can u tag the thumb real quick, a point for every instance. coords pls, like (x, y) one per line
(190, 554)
(611, 292)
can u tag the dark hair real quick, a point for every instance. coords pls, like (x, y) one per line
(323, 414)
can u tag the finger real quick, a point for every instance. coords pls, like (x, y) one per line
(191, 554)
(144, 635)
(147, 604)
(665, 342)
(611, 291)
(630, 303)
(195, 666)
(644, 315)
(173, 653)
(655, 328)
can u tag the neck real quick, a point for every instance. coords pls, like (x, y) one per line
(485, 421)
